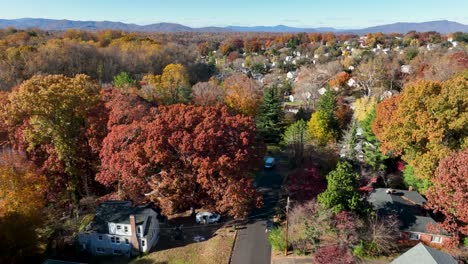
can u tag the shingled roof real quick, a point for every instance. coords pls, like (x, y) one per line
(407, 205)
(424, 254)
(119, 212)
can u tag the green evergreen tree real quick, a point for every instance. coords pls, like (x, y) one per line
(372, 154)
(341, 193)
(296, 137)
(124, 80)
(270, 117)
(323, 124)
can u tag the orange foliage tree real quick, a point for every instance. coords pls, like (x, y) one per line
(242, 94)
(425, 123)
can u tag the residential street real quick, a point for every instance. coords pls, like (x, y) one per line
(252, 244)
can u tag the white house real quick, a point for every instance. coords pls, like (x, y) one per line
(119, 228)
(405, 69)
(351, 82)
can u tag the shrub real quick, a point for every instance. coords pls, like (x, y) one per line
(276, 238)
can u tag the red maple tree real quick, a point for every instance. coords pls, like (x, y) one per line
(184, 156)
(448, 194)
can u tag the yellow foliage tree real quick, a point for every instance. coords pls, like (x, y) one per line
(21, 188)
(363, 106)
(169, 88)
(21, 202)
(242, 94)
(319, 130)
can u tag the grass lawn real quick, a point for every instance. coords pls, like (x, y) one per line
(215, 250)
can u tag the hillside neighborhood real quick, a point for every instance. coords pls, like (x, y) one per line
(164, 143)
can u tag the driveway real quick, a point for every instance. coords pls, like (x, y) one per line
(252, 246)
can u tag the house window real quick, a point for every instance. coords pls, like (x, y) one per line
(100, 237)
(117, 252)
(138, 230)
(112, 239)
(436, 239)
(99, 250)
(414, 236)
(117, 240)
(142, 243)
(119, 227)
(126, 241)
(125, 229)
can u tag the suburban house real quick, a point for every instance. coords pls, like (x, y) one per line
(424, 254)
(119, 228)
(408, 206)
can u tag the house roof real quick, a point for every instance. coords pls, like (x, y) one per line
(407, 205)
(424, 254)
(119, 212)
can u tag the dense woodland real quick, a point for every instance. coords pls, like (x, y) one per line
(184, 119)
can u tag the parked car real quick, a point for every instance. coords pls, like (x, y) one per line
(207, 218)
(269, 162)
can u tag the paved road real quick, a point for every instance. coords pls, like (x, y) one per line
(252, 246)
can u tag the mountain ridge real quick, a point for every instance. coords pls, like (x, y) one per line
(441, 26)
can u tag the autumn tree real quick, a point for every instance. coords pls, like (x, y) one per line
(185, 156)
(305, 183)
(22, 192)
(270, 117)
(50, 115)
(323, 125)
(448, 193)
(363, 106)
(343, 114)
(339, 80)
(207, 93)
(425, 123)
(334, 254)
(169, 88)
(242, 94)
(174, 80)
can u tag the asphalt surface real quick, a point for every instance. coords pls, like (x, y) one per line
(252, 246)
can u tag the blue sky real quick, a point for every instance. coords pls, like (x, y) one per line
(305, 13)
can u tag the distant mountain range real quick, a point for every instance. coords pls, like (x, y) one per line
(441, 26)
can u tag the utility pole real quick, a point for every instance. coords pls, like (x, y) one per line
(287, 226)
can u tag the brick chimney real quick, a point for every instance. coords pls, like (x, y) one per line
(134, 240)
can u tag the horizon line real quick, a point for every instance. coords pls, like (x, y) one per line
(231, 25)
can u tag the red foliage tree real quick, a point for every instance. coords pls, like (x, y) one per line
(333, 254)
(343, 113)
(305, 184)
(182, 156)
(448, 195)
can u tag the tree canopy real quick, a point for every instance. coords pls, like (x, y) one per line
(425, 123)
(52, 116)
(341, 193)
(448, 194)
(182, 156)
